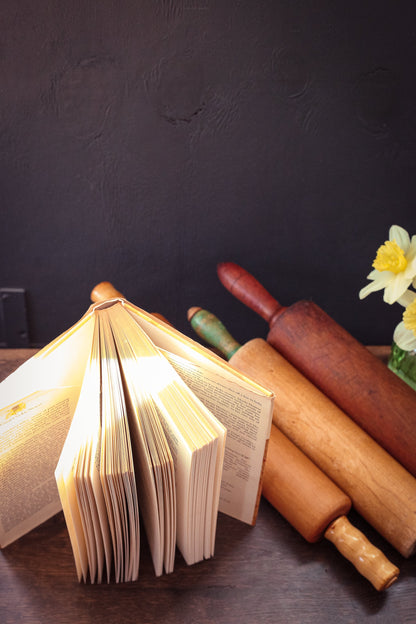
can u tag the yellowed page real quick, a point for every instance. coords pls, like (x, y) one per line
(247, 418)
(192, 439)
(104, 528)
(78, 478)
(166, 337)
(153, 460)
(180, 409)
(100, 532)
(92, 469)
(69, 473)
(37, 403)
(240, 404)
(84, 510)
(116, 467)
(74, 527)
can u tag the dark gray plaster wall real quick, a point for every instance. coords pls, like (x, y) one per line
(142, 142)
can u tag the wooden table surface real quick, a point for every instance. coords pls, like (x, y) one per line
(261, 574)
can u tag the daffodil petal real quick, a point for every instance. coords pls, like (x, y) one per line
(395, 288)
(404, 338)
(382, 277)
(406, 298)
(401, 237)
(410, 271)
(371, 287)
(373, 274)
(411, 252)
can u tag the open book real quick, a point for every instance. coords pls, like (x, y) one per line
(123, 419)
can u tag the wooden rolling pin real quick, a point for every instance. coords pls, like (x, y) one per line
(360, 384)
(381, 490)
(313, 504)
(317, 508)
(105, 290)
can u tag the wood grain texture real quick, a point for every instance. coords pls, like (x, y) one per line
(267, 573)
(336, 363)
(295, 486)
(359, 383)
(301, 492)
(379, 487)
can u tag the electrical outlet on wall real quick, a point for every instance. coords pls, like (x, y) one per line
(14, 331)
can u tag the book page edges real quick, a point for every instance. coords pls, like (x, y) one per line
(257, 505)
(247, 382)
(216, 359)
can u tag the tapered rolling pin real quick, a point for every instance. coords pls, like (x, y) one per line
(380, 488)
(360, 384)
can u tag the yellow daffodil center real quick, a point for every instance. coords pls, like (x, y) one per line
(390, 257)
(409, 317)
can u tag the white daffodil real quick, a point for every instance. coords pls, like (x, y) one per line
(394, 266)
(405, 333)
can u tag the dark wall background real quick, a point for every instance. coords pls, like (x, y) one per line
(142, 142)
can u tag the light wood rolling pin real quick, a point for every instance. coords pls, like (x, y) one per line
(381, 490)
(362, 386)
(105, 290)
(317, 508)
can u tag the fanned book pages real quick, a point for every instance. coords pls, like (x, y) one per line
(123, 422)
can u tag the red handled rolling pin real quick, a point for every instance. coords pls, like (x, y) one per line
(380, 488)
(359, 383)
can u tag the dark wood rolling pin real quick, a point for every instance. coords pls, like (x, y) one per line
(360, 384)
(380, 488)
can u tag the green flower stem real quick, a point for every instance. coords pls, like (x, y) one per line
(403, 364)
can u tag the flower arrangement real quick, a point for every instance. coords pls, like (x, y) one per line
(394, 271)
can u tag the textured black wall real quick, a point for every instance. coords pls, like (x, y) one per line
(143, 142)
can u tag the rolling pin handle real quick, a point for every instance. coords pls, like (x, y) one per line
(210, 328)
(104, 291)
(249, 291)
(366, 558)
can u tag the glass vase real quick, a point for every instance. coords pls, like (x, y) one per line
(403, 364)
